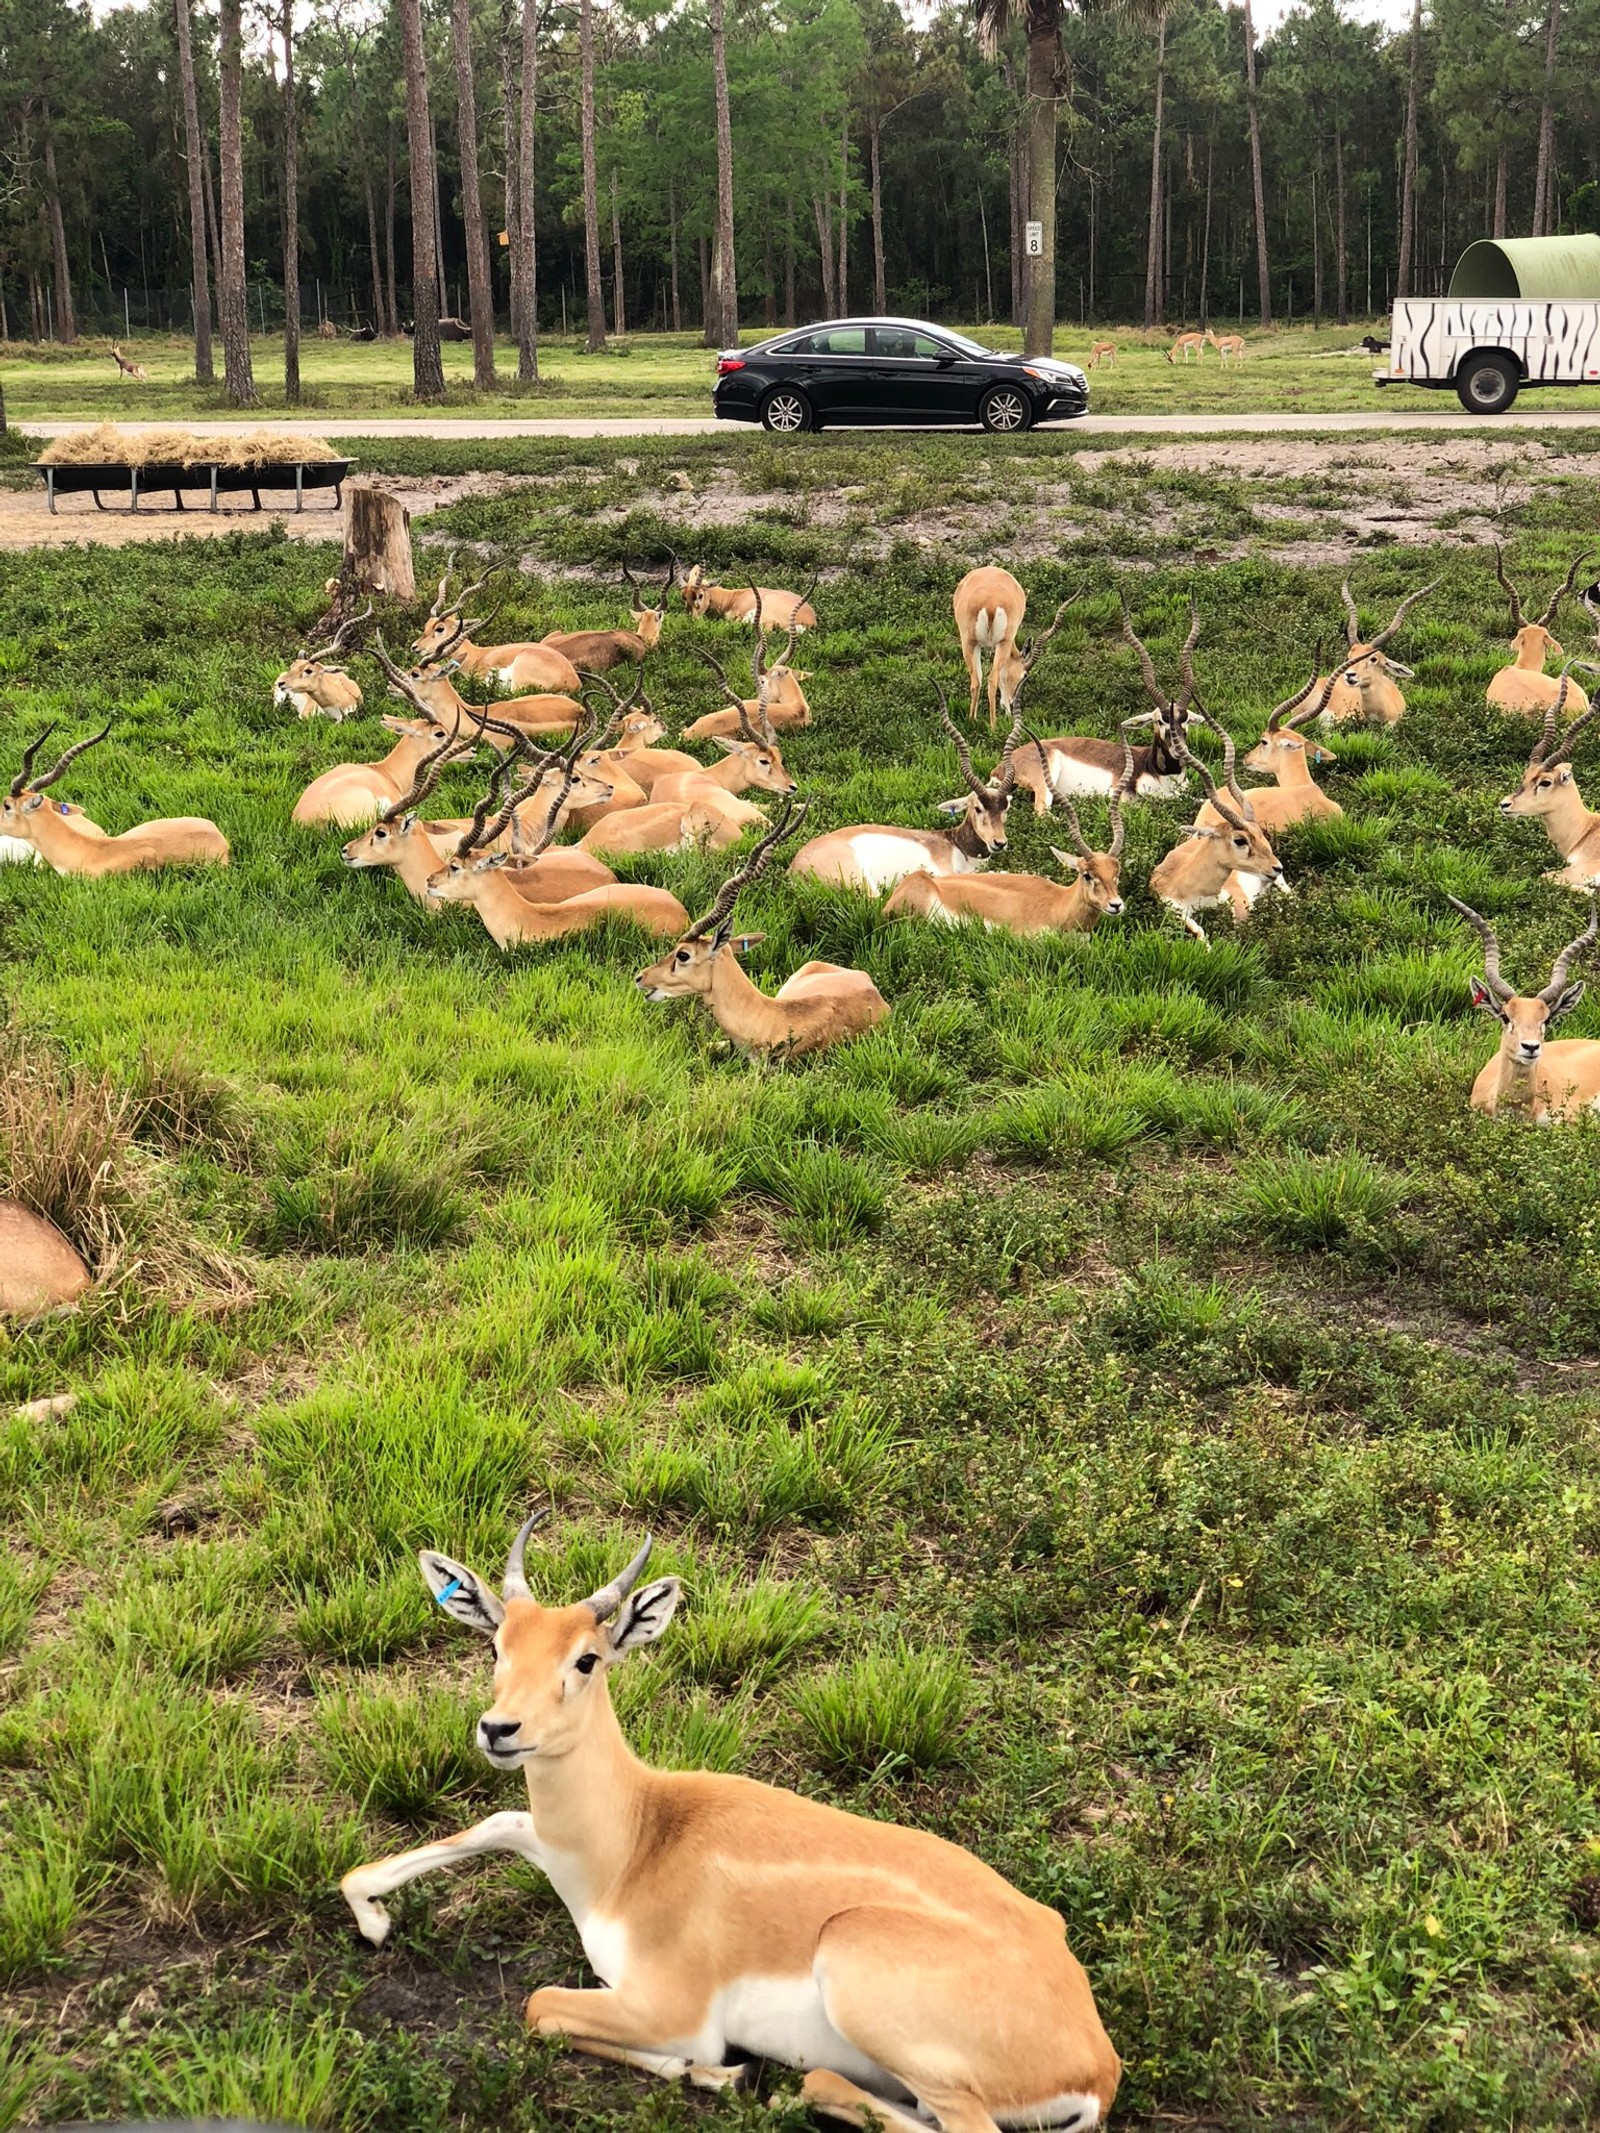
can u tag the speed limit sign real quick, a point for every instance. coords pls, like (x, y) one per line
(1034, 235)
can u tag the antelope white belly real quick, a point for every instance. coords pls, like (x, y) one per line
(783, 2018)
(18, 852)
(1070, 777)
(883, 860)
(1154, 788)
(605, 1943)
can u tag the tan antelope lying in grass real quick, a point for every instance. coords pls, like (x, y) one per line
(1230, 864)
(1081, 765)
(522, 666)
(1548, 1084)
(1524, 685)
(875, 856)
(598, 651)
(823, 1004)
(1030, 903)
(722, 1915)
(317, 685)
(1366, 685)
(1549, 789)
(766, 605)
(544, 717)
(67, 840)
(1285, 755)
(353, 793)
(989, 606)
(779, 704)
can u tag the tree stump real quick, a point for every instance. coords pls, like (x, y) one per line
(377, 543)
(39, 1270)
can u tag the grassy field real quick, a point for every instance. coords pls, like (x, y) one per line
(1128, 1415)
(1291, 368)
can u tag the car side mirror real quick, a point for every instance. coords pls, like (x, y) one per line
(944, 362)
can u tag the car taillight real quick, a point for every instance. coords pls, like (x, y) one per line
(726, 365)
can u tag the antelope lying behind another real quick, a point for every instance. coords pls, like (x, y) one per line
(779, 701)
(526, 666)
(1081, 764)
(1365, 686)
(1549, 789)
(722, 1915)
(767, 606)
(598, 651)
(1286, 755)
(72, 844)
(1211, 867)
(317, 685)
(353, 793)
(1524, 685)
(1548, 1084)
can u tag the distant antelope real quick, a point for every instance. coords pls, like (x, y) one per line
(1365, 685)
(127, 368)
(1226, 344)
(1524, 685)
(1189, 344)
(1214, 866)
(823, 1004)
(1286, 756)
(746, 603)
(1080, 765)
(68, 841)
(1549, 789)
(724, 1917)
(874, 856)
(1548, 1084)
(525, 666)
(316, 684)
(1102, 352)
(598, 651)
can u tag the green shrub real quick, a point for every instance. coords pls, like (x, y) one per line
(902, 1708)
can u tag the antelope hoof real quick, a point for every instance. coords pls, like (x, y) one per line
(372, 1920)
(722, 2078)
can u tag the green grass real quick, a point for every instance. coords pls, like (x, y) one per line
(1128, 1415)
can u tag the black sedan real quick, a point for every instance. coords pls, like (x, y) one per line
(891, 371)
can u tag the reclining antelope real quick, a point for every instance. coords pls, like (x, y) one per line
(522, 666)
(1285, 755)
(1226, 862)
(1549, 789)
(544, 716)
(779, 704)
(1030, 903)
(1547, 1084)
(354, 793)
(1524, 685)
(68, 841)
(598, 651)
(766, 605)
(1081, 765)
(823, 1004)
(317, 685)
(875, 856)
(1366, 685)
(722, 1915)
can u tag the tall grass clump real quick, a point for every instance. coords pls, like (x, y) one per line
(905, 1708)
(1317, 1202)
(277, 2065)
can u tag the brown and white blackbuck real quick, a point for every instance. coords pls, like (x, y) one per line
(1082, 765)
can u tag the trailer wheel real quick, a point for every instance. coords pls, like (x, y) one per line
(1487, 384)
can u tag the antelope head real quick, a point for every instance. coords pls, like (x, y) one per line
(1547, 783)
(309, 675)
(384, 844)
(1531, 640)
(549, 1662)
(1282, 739)
(1170, 715)
(1017, 665)
(446, 627)
(1525, 1019)
(987, 801)
(763, 765)
(1244, 842)
(695, 590)
(1099, 873)
(1366, 661)
(688, 969)
(647, 619)
(27, 792)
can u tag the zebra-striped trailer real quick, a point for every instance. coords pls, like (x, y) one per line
(1521, 311)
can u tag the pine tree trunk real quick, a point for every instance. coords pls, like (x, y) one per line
(437, 169)
(213, 230)
(788, 263)
(1544, 215)
(1205, 242)
(380, 324)
(1152, 292)
(390, 276)
(724, 267)
(235, 297)
(527, 233)
(427, 365)
(824, 214)
(291, 215)
(1341, 234)
(594, 292)
(844, 214)
(1318, 190)
(195, 150)
(480, 289)
(66, 326)
(1017, 175)
(672, 240)
(880, 285)
(769, 269)
(1263, 269)
(1044, 60)
(509, 181)
(705, 281)
(619, 319)
(1499, 229)
(1408, 181)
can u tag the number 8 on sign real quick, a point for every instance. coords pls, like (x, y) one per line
(1034, 235)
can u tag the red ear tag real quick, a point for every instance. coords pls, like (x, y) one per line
(1480, 994)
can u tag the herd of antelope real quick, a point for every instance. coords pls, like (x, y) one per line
(569, 750)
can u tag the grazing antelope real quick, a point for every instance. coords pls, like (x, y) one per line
(873, 856)
(1365, 686)
(1286, 755)
(1102, 352)
(1549, 789)
(317, 685)
(68, 841)
(989, 606)
(126, 368)
(1080, 765)
(598, 651)
(447, 635)
(1189, 344)
(1226, 344)
(1030, 903)
(1524, 685)
(726, 1916)
(1213, 866)
(1548, 1084)
(351, 794)
(823, 1004)
(762, 604)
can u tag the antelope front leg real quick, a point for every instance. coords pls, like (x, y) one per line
(605, 2025)
(364, 1884)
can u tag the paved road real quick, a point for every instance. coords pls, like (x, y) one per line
(1198, 425)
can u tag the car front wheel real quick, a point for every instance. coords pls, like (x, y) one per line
(1487, 384)
(1005, 408)
(787, 409)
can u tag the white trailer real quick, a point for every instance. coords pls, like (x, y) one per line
(1521, 311)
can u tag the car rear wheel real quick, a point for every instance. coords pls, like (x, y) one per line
(1487, 384)
(1005, 408)
(787, 409)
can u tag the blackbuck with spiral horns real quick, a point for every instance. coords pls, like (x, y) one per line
(1030, 903)
(318, 684)
(875, 856)
(823, 1004)
(1366, 686)
(1524, 685)
(1549, 789)
(778, 706)
(1529, 1077)
(521, 666)
(1078, 765)
(1284, 754)
(1227, 862)
(65, 838)
(907, 1980)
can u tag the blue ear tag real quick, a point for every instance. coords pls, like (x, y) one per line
(446, 1592)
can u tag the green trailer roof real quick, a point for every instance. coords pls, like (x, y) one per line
(1529, 266)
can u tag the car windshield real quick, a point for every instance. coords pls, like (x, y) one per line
(959, 340)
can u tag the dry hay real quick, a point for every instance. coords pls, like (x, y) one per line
(107, 445)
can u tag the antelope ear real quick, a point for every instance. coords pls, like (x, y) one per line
(1564, 774)
(1484, 998)
(1565, 1002)
(34, 799)
(1070, 860)
(952, 807)
(644, 1615)
(462, 1594)
(727, 743)
(1323, 755)
(1201, 829)
(743, 942)
(495, 859)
